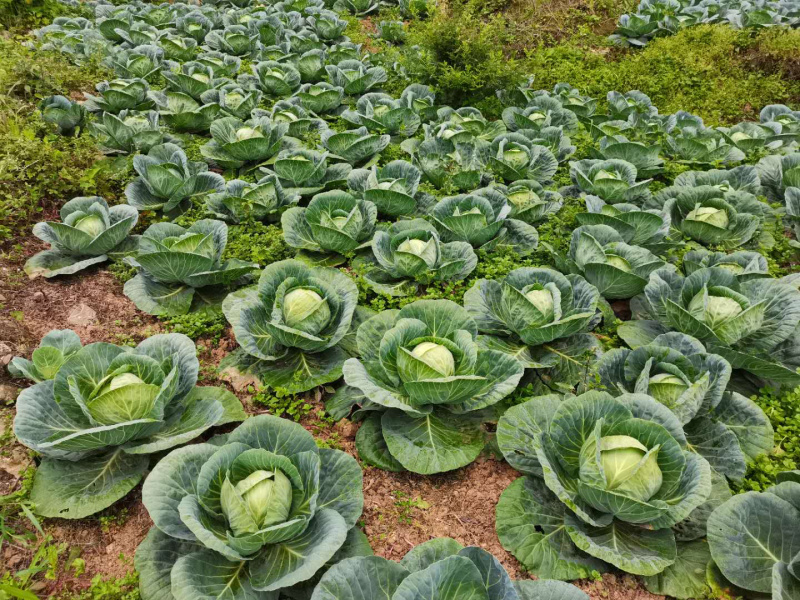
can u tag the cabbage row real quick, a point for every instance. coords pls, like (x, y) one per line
(626, 453)
(659, 18)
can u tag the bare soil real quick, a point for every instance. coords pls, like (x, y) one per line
(400, 510)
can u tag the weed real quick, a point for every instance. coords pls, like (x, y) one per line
(783, 410)
(406, 506)
(198, 324)
(257, 242)
(282, 404)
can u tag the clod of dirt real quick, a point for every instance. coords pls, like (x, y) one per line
(8, 393)
(82, 316)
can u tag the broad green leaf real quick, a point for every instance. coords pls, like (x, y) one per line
(159, 299)
(686, 577)
(371, 445)
(530, 525)
(205, 575)
(751, 533)
(73, 490)
(518, 432)
(154, 559)
(433, 443)
(274, 434)
(628, 547)
(544, 589)
(454, 578)
(295, 372)
(341, 485)
(363, 578)
(51, 263)
(425, 554)
(298, 559)
(171, 479)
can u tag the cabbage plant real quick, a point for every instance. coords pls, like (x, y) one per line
(410, 252)
(307, 172)
(753, 539)
(142, 62)
(354, 77)
(537, 316)
(320, 98)
(334, 222)
(192, 79)
(482, 219)
(380, 113)
(752, 324)
(183, 113)
(540, 111)
(168, 180)
(708, 215)
(106, 409)
(513, 157)
(727, 429)
(65, 114)
(236, 40)
(529, 201)
(233, 100)
(605, 478)
(777, 173)
(446, 163)
(355, 146)
(291, 326)
(236, 144)
(613, 181)
(300, 121)
(88, 233)
(439, 569)
(264, 200)
(55, 348)
(619, 270)
(702, 145)
(263, 510)
(649, 228)
(744, 178)
(182, 269)
(744, 264)
(645, 157)
(118, 95)
(427, 386)
(274, 78)
(129, 132)
(391, 188)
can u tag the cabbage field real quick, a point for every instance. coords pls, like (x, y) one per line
(284, 320)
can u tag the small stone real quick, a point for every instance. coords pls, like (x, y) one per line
(5, 359)
(5, 349)
(39, 297)
(8, 393)
(81, 316)
(111, 549)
